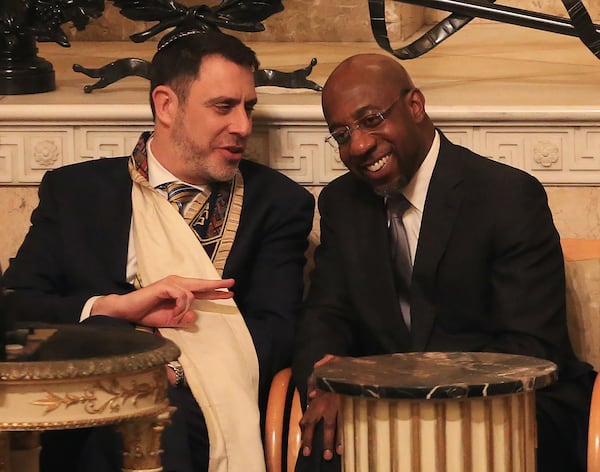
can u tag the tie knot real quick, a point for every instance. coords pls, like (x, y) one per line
(179, 194)
(397, 205)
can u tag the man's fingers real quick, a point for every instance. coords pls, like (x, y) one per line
(213, 295)
(307, 428)
(187, 318)
(183, 300)
(206, 289)
(202, 285)
(325, 359)
(329, 435)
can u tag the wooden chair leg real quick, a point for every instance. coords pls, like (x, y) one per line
(282, 429)
(594, 430)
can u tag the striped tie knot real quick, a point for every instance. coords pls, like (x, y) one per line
(180, 194)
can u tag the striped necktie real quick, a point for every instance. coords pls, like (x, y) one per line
(179, 194)
(402, 262)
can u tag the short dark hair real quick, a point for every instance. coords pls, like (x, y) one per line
(179, 56)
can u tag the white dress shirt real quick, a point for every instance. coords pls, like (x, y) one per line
(416, 193)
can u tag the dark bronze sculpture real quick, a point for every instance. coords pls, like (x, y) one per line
(237, 15)
(463, 11)
(23, 22)
(133, 66)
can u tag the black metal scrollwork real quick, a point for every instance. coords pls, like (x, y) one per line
(463, 11)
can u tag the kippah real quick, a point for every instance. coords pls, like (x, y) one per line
(164, 42)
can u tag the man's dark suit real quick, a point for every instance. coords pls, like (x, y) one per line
(488, 276)
(77, 248)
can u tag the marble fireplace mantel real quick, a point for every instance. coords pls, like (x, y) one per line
(527, 98)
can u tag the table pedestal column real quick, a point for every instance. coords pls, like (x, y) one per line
(141, 442)
(19, 451)
(478, 434)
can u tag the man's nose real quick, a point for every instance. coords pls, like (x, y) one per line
(361, 141)
(241, 122)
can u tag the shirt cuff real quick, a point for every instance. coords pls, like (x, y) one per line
(87, 308)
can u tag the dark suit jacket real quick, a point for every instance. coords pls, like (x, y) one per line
(77, 247)
(488, 273)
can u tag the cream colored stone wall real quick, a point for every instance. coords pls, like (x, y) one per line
(576, 213)
(549, 7)
(317, 20)
(301, 20)
(16, 205)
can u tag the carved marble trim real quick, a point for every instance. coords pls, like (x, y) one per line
(558, 146)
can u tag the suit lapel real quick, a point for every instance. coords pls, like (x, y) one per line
(444, 197)
(111, 243)
(368, 241)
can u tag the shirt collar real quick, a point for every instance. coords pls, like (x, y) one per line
(416, 190)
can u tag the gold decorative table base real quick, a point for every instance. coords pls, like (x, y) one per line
(81, 377)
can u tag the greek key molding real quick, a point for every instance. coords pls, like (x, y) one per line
(555, 154)
(108, 141)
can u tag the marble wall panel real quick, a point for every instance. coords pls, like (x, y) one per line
(16, 205)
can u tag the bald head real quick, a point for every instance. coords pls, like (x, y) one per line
(378, 120)
(362, 69)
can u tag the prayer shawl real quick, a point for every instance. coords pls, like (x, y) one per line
(218, 355)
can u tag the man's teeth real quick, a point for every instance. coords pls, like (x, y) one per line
(378, 164)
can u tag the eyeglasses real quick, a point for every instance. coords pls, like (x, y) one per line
(369, 123)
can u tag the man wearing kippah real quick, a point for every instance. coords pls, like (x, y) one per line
(157, 238)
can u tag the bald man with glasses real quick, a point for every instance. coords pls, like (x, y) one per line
(427, 246)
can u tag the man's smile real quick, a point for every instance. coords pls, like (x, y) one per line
(378, 164)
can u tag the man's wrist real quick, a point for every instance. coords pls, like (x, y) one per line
(177, 370)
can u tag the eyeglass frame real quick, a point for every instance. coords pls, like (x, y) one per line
(347, 130)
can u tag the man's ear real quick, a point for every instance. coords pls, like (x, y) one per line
(166, 104)
(416, 104)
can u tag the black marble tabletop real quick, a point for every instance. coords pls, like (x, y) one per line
(435, 375)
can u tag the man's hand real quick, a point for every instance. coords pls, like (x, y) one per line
(163, 304)
(322, 406)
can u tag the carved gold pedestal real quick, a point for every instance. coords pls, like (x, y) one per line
(126, 388)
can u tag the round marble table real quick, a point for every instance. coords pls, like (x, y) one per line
(84, 376)
(438, 412)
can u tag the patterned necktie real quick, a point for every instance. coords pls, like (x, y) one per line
(401, 259)
(179, 194)
(205, 213)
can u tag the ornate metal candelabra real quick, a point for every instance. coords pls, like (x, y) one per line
(23, 22)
